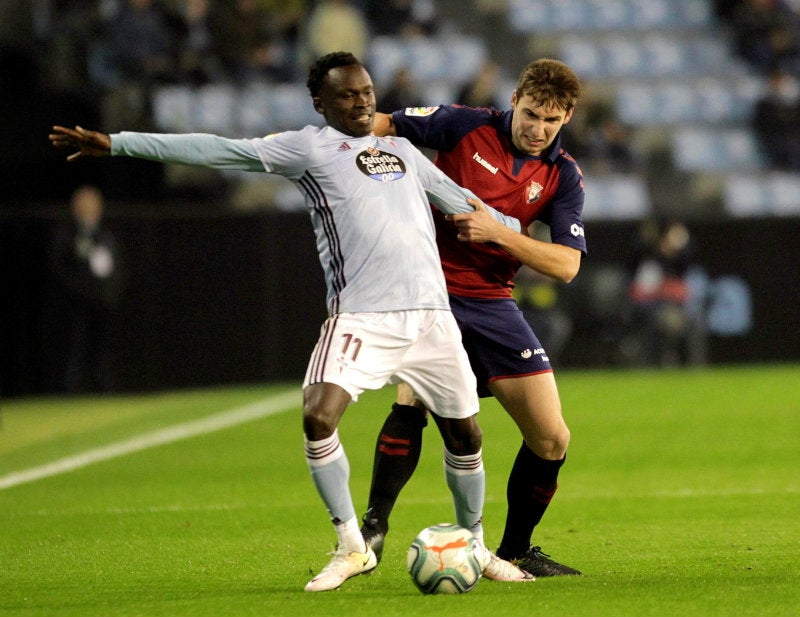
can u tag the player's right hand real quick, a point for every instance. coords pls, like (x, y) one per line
(87, 143)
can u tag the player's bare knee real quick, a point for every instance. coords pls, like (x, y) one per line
(466, 441)
(551, 447)
(317, 424)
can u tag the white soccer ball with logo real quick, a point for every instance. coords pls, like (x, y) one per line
(445, 559)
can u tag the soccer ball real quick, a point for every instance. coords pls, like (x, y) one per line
(444, 559)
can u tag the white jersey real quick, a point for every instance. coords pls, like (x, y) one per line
(367, 200)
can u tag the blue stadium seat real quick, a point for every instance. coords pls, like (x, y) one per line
(256, 110)
(386, 55)
(453, 58)
(607, 15)
(616, 197)
(715, 150)
(671, 101)
(173, 109)
(583, 55)
(754, 195)
(215, 109)
(666, 55)
(291, 108)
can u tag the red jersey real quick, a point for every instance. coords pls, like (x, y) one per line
(474, 148)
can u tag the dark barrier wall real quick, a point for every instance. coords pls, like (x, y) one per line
(215, 299)
(209, 299)
(748, 273)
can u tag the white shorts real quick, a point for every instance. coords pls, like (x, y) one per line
(366, 351)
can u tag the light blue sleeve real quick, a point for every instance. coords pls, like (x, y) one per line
(450, 198)
(201, 149)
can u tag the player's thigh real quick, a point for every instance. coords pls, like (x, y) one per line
(358, 351)
(534, 404)
(437, 368)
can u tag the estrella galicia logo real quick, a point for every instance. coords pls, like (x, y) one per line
(380, 165)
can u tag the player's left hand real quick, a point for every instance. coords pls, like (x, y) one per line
(88, 143)
(477, 226)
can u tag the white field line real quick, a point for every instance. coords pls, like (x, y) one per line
(160, 437)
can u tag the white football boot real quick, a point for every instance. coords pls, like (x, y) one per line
(344, 565)
(496, 569)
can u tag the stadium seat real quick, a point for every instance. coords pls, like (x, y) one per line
(756, 194)
(291, 108)
(215, 109)
(256, 110)
(173, 109)
(616, 197)
(607, 15)
(715, 150)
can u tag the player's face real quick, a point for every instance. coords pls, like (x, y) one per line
(347, 100)
(533, 128)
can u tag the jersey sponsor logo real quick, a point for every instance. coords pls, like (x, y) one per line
(576, 230)
(527, 353)
(534, 191)
(380, 165)
(484, 163)
(419, 112)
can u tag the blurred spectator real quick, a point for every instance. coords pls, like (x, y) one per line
(765, 33)
(86, 262)
(776, 121)
(335, 25)
(69, 32)
(600, 140)
(135, 51)
(481, 91)
(401, 17)
(247, 42)
(197, 63)
(661, 330)
(288, 18)
(139, 46)
(401, 92)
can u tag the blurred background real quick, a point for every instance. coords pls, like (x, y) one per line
(124, 275)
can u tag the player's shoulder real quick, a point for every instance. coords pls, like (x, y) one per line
(441, 112)
(567, 162)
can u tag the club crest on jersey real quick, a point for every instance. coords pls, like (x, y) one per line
(534, 191)
(380, 165)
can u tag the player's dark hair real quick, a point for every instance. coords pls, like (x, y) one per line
(320, 68)
(549, 81)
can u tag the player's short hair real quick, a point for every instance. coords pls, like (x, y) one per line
(549, 81)
(320, 68)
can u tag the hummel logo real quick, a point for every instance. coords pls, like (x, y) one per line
(477, 157)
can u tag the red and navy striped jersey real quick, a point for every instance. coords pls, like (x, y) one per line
(474, 148)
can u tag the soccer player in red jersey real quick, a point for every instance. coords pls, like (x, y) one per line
(514, 160)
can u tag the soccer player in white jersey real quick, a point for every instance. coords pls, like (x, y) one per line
(389, 320)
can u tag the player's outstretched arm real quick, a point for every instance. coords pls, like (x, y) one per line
(87, 143)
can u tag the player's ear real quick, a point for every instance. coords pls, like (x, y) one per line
(318, 106)
(568, 115)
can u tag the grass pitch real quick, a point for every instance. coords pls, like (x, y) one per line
(680, 496)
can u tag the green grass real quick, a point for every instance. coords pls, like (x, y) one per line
(681, 496)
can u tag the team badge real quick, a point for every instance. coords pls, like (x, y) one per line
(534, 191)
(380, 165)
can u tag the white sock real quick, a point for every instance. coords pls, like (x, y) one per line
(350, 538)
